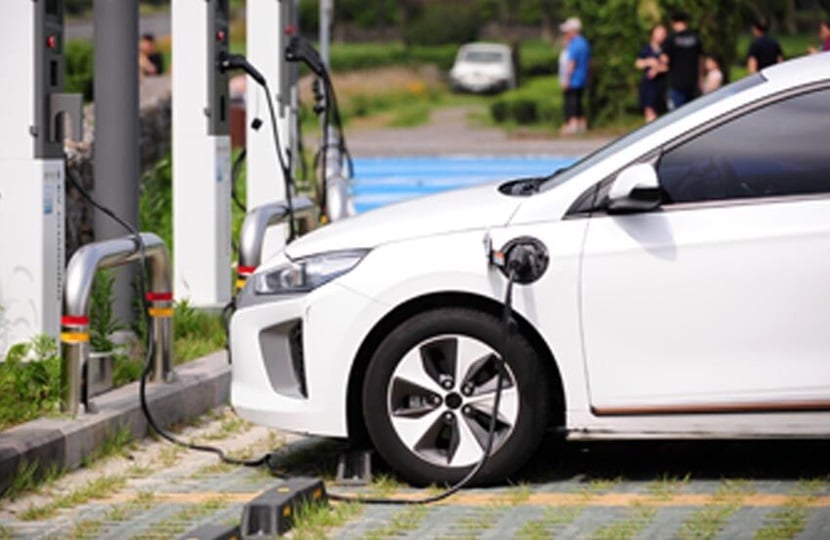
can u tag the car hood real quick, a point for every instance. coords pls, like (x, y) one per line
(465, 209)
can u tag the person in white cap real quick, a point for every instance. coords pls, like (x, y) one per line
(575, 78)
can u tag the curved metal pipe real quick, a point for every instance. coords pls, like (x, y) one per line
(80, 274)
(257, 221)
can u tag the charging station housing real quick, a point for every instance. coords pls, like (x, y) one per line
(32, 174)
(201, 154)
(270, 24)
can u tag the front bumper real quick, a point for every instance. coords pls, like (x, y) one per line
(480, 86)
(292, 357)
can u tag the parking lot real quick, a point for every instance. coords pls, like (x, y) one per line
(676, 489)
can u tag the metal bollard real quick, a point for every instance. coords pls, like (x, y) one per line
(79, 276)
(257, 221)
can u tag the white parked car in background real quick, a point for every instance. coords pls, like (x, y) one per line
(482, 68)
(679, 287)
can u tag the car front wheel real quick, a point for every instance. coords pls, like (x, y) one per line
(429, 392)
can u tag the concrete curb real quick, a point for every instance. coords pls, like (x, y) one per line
(62, 443)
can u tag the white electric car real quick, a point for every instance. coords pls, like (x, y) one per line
(682, 290)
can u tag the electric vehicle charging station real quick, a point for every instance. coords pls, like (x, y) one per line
(32, 174)
(270, 24)
(201, 154)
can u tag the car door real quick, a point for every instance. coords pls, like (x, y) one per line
(719, 301)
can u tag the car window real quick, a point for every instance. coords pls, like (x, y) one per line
(777, 150)
(563, 175)
(483, 57)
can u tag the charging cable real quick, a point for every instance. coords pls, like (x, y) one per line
(227, 62)
(514, 265)
(509, 324)
(148, 360)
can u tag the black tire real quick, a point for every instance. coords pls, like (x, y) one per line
(531, 397)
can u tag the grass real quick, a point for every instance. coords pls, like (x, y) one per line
(197, 333)
(95, 489)
(553, 518)
(399, 524)
(665, 487)
(219, 467)
(6, 532)
(86, 528)
(517, 494)
(384, 485)
(179, 521)
(313, 520)
(483, 519)
(115, 443)
(170, 455)
(27, 478)
(638, 516)
(705, 523)
(230, 424)
(791, 520)
(29, 381)
(137, 470)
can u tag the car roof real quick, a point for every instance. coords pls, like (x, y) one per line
(799, 71)
(484, 46)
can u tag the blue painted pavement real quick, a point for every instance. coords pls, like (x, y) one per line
(382, 181)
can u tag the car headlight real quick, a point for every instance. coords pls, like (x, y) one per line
(308, 273)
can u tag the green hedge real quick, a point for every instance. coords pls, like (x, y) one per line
(539, 101)
(536, 57)
(350, 56)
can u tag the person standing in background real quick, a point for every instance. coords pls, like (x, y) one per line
(653, 82)
(150, 61)
(763, 51)
(575, 78)
(563, 68)
(824, 36)
(713, 79)
(683, 54)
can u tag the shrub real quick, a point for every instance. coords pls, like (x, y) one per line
(538, 102)
(442, 23)
(617, 29)
(29, 381)
(156, 202)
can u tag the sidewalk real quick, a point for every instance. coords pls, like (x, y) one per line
(449, 132)
(63, 444)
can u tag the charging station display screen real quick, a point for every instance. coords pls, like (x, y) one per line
(222, 9)
(53, 7)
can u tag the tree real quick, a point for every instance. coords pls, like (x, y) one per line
(617, 29)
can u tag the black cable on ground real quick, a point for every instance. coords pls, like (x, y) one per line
(148, 366)
(507, 319)
(148, 361)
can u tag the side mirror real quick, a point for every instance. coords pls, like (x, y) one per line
(636, 189)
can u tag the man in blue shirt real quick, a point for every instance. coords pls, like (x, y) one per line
(575, 78)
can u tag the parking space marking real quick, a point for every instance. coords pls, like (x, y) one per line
(534, 499)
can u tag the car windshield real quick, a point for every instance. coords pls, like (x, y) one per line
(482, 57)
(563, 175)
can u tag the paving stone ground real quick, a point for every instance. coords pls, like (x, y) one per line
(677, 489)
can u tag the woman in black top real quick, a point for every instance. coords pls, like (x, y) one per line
(653, 83)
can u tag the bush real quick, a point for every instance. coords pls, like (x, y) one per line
(80, 65)
(442, 24)
(29, 381)
(539, 102)
(156, 201)
(538, 58)
(617, 29)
